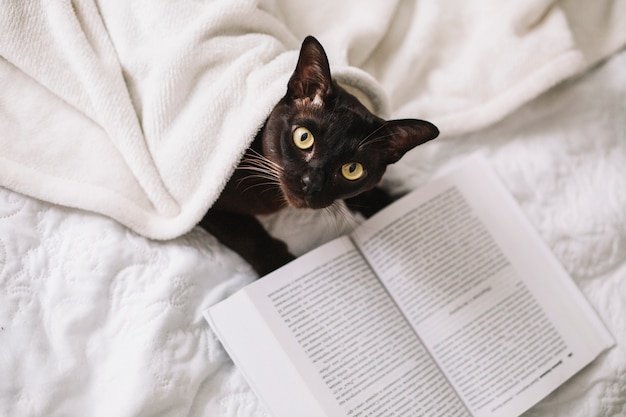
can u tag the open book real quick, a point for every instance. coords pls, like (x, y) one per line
(446, 303)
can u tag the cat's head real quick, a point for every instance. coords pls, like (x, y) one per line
(328, 145)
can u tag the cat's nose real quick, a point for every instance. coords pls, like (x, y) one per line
(312, 181)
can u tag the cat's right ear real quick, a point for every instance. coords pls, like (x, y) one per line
(311, 78)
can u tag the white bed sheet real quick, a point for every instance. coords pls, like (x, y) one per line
(98, 321)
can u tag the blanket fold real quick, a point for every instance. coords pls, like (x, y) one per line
(141, 110)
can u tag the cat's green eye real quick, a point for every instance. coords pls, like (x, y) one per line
(303, 138)
(352, 171)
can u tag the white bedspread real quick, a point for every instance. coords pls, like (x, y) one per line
(96, 320)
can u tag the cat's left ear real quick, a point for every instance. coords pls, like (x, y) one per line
(311, 77)
(403, 135)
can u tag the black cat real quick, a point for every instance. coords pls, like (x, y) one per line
(319, 145)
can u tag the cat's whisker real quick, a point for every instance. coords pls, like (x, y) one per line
(262, 171)
(261, 163)
(376, 140)
(365, 141)
(257, 157)
(268, 185)
(328, 217)
(347, 216)
(339, 216)
(260, 176)
(268, 179)
(258, 166)
(332, 113)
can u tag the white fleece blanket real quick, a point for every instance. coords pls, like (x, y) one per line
(98, 321)
(140, 110)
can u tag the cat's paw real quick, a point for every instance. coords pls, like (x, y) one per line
(271, 258)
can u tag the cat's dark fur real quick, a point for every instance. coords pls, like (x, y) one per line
(341, 154)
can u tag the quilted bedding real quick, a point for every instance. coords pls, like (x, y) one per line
(96, 320)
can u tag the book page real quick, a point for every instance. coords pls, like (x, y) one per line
(334, 329)
(496, 311)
